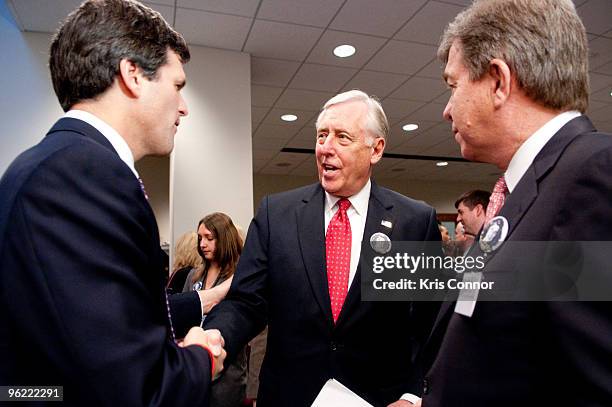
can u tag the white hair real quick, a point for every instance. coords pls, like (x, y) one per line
(377, 121)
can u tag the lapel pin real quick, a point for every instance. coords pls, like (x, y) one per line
(380, 243)
(386, 223)
(494, 234)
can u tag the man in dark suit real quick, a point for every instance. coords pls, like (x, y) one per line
(303, 277)
(81, 270)
(518, 72)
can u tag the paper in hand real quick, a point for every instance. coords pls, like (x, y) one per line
(334, 394)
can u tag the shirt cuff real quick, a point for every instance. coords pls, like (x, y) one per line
(201, 303)
(410, 397)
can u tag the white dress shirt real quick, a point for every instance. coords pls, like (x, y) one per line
(113, 137)
(357, 214)
(527, 152)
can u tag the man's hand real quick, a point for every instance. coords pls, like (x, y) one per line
(212, 341)
(211, 297)
(404, 403)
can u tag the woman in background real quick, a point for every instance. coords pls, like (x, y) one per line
(186, 258)
(220, 246)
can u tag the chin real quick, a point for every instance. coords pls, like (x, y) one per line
(329, 187)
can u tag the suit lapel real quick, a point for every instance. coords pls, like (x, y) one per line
(526, 191)
(378, 210)
(311, 236)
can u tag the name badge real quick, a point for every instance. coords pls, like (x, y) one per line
(466, 302)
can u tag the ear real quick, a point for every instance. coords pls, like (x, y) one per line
(378, 146)
(479, 209)
(502, 81)
(130, 77)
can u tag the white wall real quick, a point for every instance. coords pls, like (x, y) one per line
(211, 167)
(28, 107)
(440, 195)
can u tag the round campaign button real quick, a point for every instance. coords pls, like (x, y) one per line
(494, 234)
(380, 243)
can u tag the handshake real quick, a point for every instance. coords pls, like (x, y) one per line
(210, 340)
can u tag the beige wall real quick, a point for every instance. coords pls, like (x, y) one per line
(155, 174)
(211, 166)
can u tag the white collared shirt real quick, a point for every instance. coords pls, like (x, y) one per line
(113, 137)
(527, 152)
(357, 214)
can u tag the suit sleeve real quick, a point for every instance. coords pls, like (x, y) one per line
(243, 313)
(186, 311)
(87, 287)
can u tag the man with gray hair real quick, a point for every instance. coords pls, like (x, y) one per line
(300, 272)
(518, 73)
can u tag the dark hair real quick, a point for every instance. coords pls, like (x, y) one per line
(473, 198)
(86, 50)
(227, 249)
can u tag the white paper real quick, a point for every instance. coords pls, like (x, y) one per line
(334, 394)
(466, 302)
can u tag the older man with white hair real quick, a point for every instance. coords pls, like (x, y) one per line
(300, 272)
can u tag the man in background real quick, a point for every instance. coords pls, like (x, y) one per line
(471, 210)
(301, 273)
(518, 73)
(81, 270)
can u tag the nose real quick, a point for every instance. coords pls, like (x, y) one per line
(183, 111)
(459, 219)
(447, 111)
(325, 145)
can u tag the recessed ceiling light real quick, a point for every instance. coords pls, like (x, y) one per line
(283, 164)
(410, 127)
(289, 117)
(344, 51)
(442, 163)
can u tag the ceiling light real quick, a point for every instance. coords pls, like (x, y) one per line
(344, 51)
(289, 117)
(442, 163)
(410, 127)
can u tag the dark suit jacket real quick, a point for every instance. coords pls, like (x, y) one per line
(536, 353)
(81, 280)
(281, 279)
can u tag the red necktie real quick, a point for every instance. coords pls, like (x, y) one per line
(338, 256)
(497, 199)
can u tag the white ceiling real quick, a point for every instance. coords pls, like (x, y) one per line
(294, 71)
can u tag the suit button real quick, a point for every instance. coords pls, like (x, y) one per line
(334, 346)
(426, 386)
